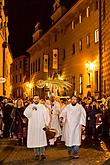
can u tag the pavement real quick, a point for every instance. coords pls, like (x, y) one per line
(12, 154)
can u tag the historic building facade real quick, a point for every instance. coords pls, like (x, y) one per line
(5, 54)
(20, 77)
(105, 46)
(69, 49)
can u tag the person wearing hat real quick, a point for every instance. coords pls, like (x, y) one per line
(74, 118)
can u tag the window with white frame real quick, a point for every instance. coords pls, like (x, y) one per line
(96, 35)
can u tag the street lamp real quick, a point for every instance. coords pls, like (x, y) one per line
(28, 87)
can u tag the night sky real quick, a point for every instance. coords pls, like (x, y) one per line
(23, 16)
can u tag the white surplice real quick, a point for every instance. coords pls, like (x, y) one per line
(73, 118)
(37, 120)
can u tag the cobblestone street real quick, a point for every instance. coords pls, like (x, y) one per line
(11, 154)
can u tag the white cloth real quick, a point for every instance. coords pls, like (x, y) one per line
(54, 124)
(73, 118)
(37, 120)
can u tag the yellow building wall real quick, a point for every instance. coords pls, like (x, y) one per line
(62, 36)
(7, 56)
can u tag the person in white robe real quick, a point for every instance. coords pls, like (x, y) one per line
(74, 118)
(38, 118)
(54, 122)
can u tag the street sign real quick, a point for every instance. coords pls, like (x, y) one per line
(2, 80)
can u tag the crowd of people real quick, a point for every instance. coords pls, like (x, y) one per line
(70, 119)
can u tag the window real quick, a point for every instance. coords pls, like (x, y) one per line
(96, 35)
(16, 79)
(96, 5)
(73, 47)
(80, 45)
(96, 81)
(81, 84)
(88, 40)
(20, 77)
(80, 19)
(36, 65)
(88, 11)
(16, 67)
(64, 55)
(31, 68)
(104, 10)
(73, 25)
(20, 64)
(39, 64)
(55, 37)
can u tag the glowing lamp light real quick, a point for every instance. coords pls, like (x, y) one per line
(91, 66)
(87, 65)
(29, 85)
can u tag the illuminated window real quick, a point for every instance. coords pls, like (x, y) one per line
(88, 40)
(88, 11)
(73, 24)
(96, 35)
(80, 45)
(81, 84)
(80, 19)
(96, 81)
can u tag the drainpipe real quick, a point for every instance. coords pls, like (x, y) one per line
(100, 49)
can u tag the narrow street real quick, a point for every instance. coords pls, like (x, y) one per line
(11, 154)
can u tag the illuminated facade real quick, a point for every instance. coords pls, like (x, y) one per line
(20, 76)
(71, 47)
(5, 54)
(105, 47)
